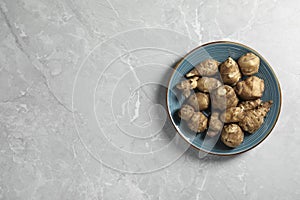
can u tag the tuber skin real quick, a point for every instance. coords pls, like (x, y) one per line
(230, 72)
(232, 115)
(198, 122)
(212, 133)
(199, 101)
(249, 105)
(186, 112)
(232, 135)
(208, 67)
(187, 85)
(251, 88)
(253, 119)
(224, 97)
(236, 103)
(207, 84)
(249, 64)
(215, 125)
(249, 119)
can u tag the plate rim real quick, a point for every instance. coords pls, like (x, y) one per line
(219, 42)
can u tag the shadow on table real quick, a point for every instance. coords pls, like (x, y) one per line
(195, 154)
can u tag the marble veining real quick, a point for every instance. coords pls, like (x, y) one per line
(82, 99)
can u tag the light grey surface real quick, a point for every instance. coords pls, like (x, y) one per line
(75, 125)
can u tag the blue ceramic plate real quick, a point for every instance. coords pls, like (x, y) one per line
(220, 52)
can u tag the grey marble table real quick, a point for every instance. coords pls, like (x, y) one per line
(82, 99)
